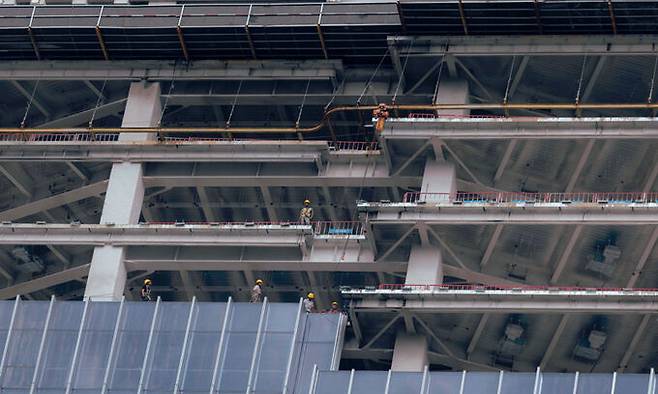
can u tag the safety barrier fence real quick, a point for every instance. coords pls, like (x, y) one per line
(520, 287)
(60, 137)
(353, 145)
(460, 198)
(319, 227)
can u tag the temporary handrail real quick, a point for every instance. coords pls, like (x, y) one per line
(479, 287)
(530, 198)
(319, 227)
(328, 114)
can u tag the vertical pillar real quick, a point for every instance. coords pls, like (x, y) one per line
(452, 91)
(425, 265)
(410, 353)
(124, 196)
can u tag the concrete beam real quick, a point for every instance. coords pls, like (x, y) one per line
(18, 177)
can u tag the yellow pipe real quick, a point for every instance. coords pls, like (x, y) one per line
(317, 127)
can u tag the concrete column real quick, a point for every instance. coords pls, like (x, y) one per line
(410, 353)
(439, 177)
(452, 91)
(124, 196)
(425, 265)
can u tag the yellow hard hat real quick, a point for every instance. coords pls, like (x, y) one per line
(307, 201)
(310, 296)
(259, 281)
(147, 281)
(334, 303)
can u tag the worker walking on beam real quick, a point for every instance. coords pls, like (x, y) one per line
(306, 214)
(145, 293)
(309, 303)
(257, 291)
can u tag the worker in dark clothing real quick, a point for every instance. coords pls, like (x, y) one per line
(145, 293)
(306, 213)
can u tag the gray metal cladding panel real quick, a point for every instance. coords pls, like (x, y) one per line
(333, 382)
(405, 382)
(633, 383)
(23, 347)
(6, 308)
(215, 16)
(518, 383)
(95, 344)
(360, 14)
(132, 338)
(369, 382)
(13, 17)
(481, 383)
(282, 15)
(59, 346)
(557, 383)
(167, 345)
(67, 17)
(140, 16)
(445, 382)
(595, 383)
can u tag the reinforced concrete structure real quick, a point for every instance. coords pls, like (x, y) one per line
(498, 213)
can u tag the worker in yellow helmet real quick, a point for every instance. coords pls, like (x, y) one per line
(309, 303)
(257, 291)
(145, 293)
(306, 214)
(334, 307)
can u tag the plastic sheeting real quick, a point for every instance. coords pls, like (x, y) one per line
(158, 347)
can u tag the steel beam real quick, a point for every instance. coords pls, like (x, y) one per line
(544, 45)
(153, 70)
(477, 334)
(124, 235)
(54, 201)
(44, 282)
(564, 258)
(639, 331)
(644, 257)
(28, 95)
(403, 214)
(567, 128)
(18, 177)
(555, 338)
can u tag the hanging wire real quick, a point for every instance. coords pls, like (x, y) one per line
(381, 61)
(235, 102)
(29, 104)
(580, 80)
(509, 80)
(171, 88)
(301, 107)
(653, 79)
(438, 79)
(98, 103)
(333, 97)
(404, 67)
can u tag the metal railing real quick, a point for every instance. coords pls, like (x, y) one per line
(461, 198)
(345, 228)
(60, 137)
(520, 287)
(353, 146)
(337, 228)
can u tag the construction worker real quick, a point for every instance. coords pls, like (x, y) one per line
(306, 214)
(257, 291)
(145, 293)
(381, 114)
(334, 307)
(309, 303)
